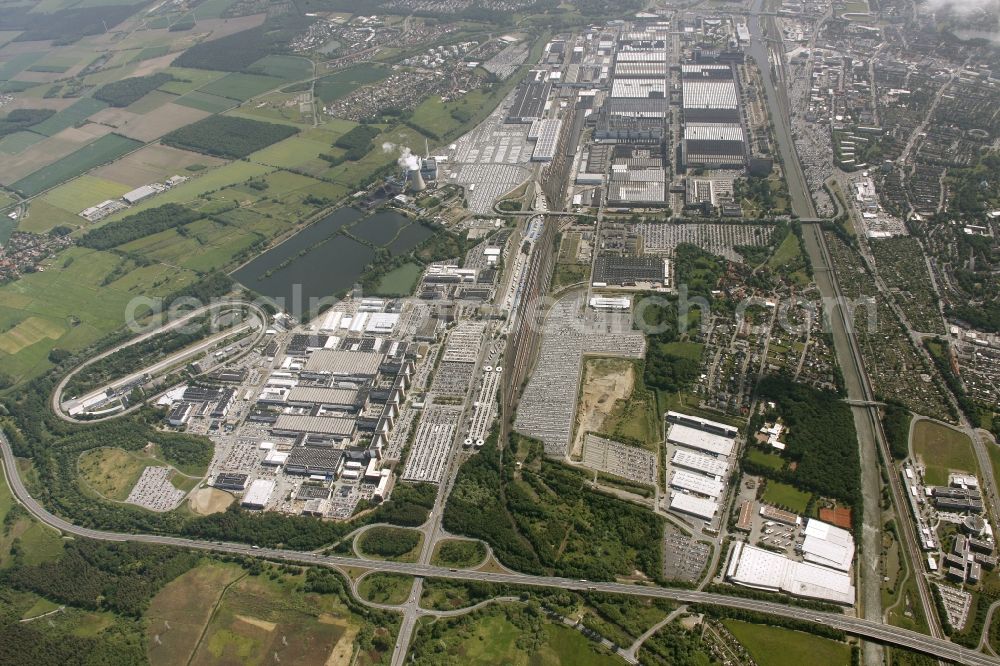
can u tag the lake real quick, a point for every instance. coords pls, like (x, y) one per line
(323, 270)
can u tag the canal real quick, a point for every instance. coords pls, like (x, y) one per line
(777, 103)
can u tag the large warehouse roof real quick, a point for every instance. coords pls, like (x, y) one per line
(828, 545)
(762, 569)
(320, 425)
(342, 362)
(699, 462)
(639, 88)
(548, 139)
(710, 94)
(713, 71)
(696, 506)
(636, 192)
(323, 396)
(701, 424)
(258, 493)
(713, 132)
(698, 483)
(700, 439)
(645, 55)
(640, 69)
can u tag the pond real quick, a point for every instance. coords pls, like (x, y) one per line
(314, 264)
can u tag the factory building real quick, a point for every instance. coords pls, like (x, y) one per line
(258, 494)
(763, 570)
(714, 146)
(530, 99)
(547, 140)
(621, 271)
(828, 545)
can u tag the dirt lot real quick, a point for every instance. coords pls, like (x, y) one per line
(158, 122)
(153, 163)
(605, 380)
(206, 501)
(114, 116)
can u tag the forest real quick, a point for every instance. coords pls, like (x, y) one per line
(96, 575)
(388, 541)
(232, 53)
(547, 519)
(896, 424)
(225, 136)
(19, 120)
(821, 441)
(125, 91)
(142, 224)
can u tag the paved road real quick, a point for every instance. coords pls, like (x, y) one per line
(256, 311)
(852, 625)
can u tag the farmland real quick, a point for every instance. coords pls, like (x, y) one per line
(105, 149)
(73, 299)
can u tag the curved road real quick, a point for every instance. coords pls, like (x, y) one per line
(61, 386)
(851, 625)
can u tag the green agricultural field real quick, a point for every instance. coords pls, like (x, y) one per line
(105, 149)
(333, 87)
(293, 152)
(459, 553)
(18, 141)
(18, 63)
(385, 588)
(82, 192)
(205, 246)
(774, 646)
(150, 101)
(446, 120)
(151, 52)
(205, 102)
(43, 216)
(187, 80)
(784, 495)
(289, 68)
(72, 295)
(240, 86)
(942, 450)
(688, 350)
(69, 116)
(202, 183)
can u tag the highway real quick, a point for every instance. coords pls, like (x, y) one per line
(868, 629)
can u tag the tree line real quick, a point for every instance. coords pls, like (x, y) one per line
(138, 225)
